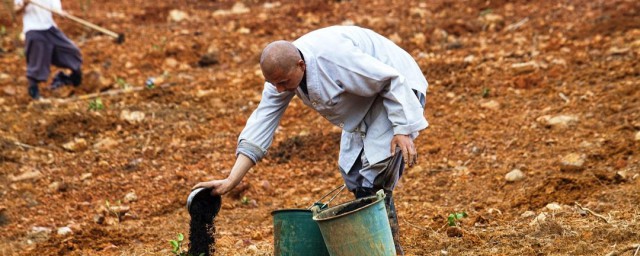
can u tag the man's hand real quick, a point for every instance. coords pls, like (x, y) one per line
(221, 187)
(218, 187)
(405, 143)
(20, 8)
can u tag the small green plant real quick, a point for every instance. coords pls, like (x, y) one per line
(122, 83)
(176, 246)
(3, 30)
(244, 200)
(485, 92)
(96, 105)
(486, 11)
(109, 209)
(454, 217)
(161, 45)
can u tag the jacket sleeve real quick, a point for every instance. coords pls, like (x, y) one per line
(257, 135)
(364, 75)
(56, 5)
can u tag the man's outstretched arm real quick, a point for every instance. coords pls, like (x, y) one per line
(220, 187)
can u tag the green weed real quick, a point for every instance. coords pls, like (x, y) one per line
(176, 246)
(486, 11)
(122, 83)
(485, 92)
(454, 217)
(96, 105)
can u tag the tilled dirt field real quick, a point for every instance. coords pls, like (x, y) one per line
(547, 92)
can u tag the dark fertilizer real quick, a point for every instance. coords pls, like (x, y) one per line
(203, 209)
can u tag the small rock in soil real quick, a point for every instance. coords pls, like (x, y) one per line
(77, 144)
(130, 197)
(4, 220)
(554, 206)
(526, 67)
(582, 213)
(208, 59)
(9, 90)
(527, 214)
(177, 16)
(29, 175)
(39, 234)
(621, 176)
(58, 186)
(111, 221)
(132, 117)
(134, 164)
(266, 185)
(105, 144)
(539, 220)
(204, 93)
(98, 218)
(454, 232)
(492, 104)
(572, 162)
(4, 77)
(514, 175)
(86, 175)
(559, 121)
(63, 231)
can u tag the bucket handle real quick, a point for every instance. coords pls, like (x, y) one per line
(380, 194)
(322, 205)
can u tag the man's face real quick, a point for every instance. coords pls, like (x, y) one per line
(287, 80)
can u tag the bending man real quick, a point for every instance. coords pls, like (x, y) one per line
(359, 81)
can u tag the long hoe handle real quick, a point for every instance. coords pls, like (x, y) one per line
(119, 37)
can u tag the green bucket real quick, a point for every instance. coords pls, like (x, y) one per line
(295, 233)
(359, 227)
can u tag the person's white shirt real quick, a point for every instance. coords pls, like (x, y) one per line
(36, 18)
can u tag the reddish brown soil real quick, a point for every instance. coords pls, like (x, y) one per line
(587, 66)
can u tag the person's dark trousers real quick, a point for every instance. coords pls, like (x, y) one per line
(46, 47)
(62, 79)
(76, 77)
(33, 89)
(361, 192)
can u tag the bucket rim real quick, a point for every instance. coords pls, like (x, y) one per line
(289, 210)
(378, 199)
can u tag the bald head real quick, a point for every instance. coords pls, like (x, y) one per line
(279, 56)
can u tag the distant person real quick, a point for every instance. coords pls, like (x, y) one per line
(45, 45)
(359, 81)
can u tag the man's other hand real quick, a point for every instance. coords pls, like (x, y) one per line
(405, 143)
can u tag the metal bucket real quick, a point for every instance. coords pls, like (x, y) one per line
(295, 233)
(359, 227)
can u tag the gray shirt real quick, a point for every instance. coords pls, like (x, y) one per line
(356, 79)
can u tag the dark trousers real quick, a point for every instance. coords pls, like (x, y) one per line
(46, 47)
